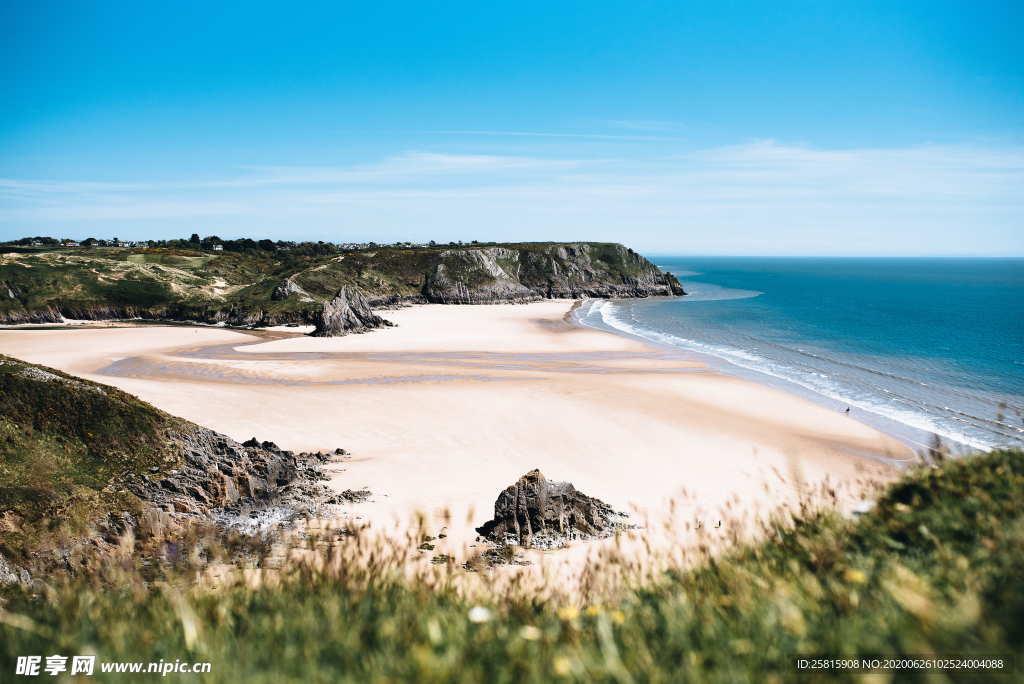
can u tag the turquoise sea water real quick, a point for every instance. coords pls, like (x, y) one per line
(913, 346)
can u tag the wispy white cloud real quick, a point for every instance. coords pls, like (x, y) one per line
(579, 136)
(911, 174)
(408, 167)
(645, 125)
(127, 211)
(770, 152)
(762, 196)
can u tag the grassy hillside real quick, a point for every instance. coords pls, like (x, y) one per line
(64, 445)
(934, 568)
(42, 284)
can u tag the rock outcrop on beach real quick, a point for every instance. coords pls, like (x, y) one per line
(539, 513)
(348, 312)
(278, 287)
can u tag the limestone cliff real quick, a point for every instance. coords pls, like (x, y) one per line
(570, 271)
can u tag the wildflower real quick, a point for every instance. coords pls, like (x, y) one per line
(594, 610)
(568, 613)
(434, 632)
(530, 633)
(562, 666)
(742, 646)
(857, 576)
(792, 619)
(479, 614)
(618, 617)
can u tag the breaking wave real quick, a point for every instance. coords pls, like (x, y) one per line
(841, 378)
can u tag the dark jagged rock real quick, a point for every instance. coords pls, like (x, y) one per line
(351, 496)
(540, 513)
(394, 301)
(216, 472)
(348, 312)
(248, 318)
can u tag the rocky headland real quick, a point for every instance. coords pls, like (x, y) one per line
(86, 465)
(262, 289)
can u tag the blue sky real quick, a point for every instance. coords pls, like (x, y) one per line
(697, 128)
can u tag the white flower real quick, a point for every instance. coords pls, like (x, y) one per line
(479, 614)
(530, 633)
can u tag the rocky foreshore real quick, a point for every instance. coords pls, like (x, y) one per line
(220, 477)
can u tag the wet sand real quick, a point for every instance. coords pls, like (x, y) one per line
(455, 403)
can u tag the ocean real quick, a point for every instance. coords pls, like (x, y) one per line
(915, 347)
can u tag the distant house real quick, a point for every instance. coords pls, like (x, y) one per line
(70, 243)
(217, 248)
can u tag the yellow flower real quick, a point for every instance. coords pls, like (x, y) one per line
(562, 666)
(594, 610)
(857, 576)
(742, 646)
(618, 617)
(568, 613)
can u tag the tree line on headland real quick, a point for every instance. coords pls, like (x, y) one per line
(238, 245)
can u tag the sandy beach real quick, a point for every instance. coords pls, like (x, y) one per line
(453, 404)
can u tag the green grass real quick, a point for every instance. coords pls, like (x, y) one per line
(64, 444)
(934, 568)
(168, 258)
